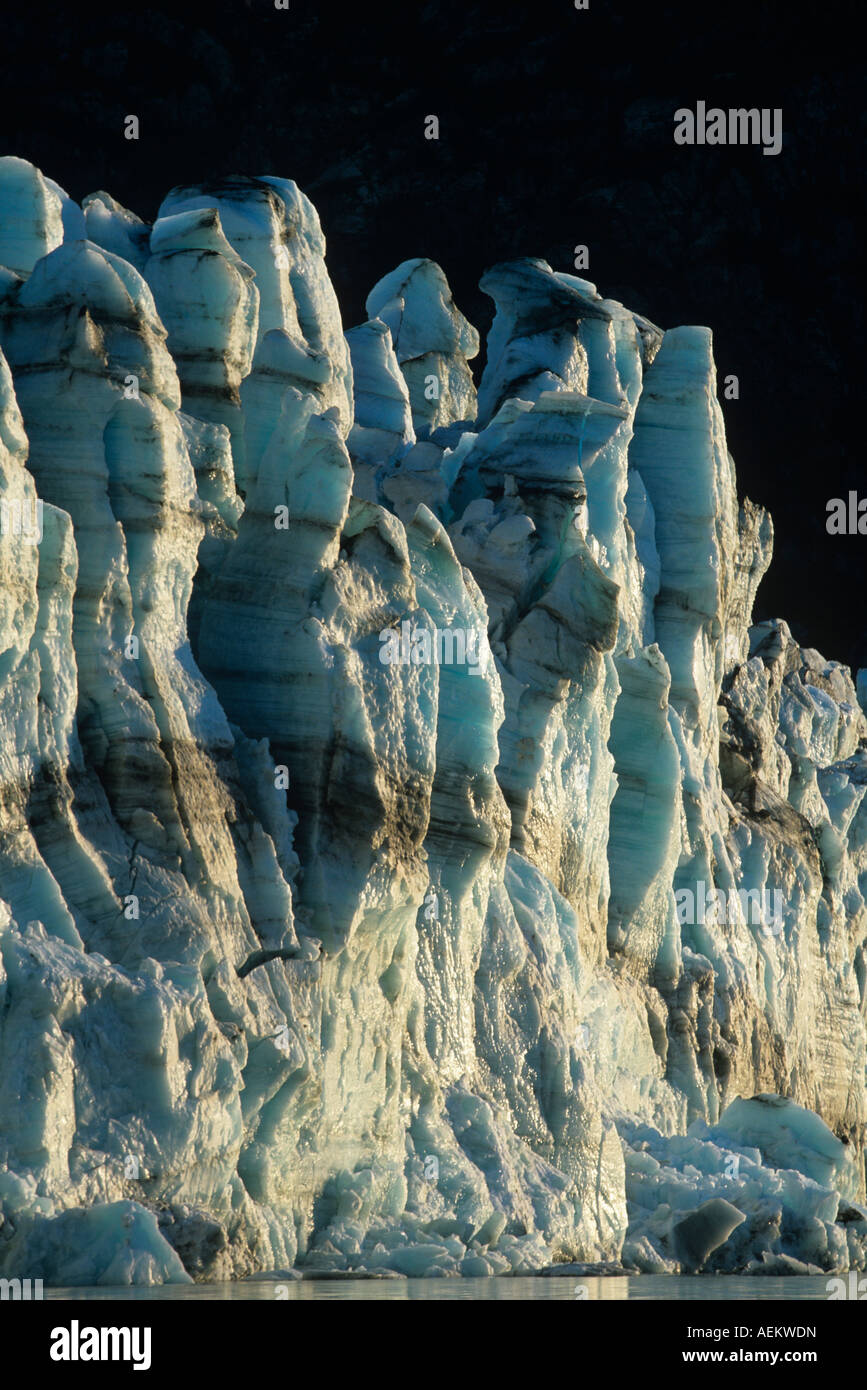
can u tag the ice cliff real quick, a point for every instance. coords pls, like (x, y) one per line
(412, 858)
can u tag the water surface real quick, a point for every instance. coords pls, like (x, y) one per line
(647, 1287)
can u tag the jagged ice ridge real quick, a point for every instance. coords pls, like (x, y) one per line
(311, 959)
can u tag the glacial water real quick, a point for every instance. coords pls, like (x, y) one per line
(645, 1287)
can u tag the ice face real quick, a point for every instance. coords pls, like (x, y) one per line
(383, 431)
(433, 342)
(32, 215)
(208, 301)
(113, 227)
(412, 857)
(274, 229)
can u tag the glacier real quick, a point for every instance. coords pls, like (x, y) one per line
(317, 962)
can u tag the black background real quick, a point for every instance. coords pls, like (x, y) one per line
(555, 129)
